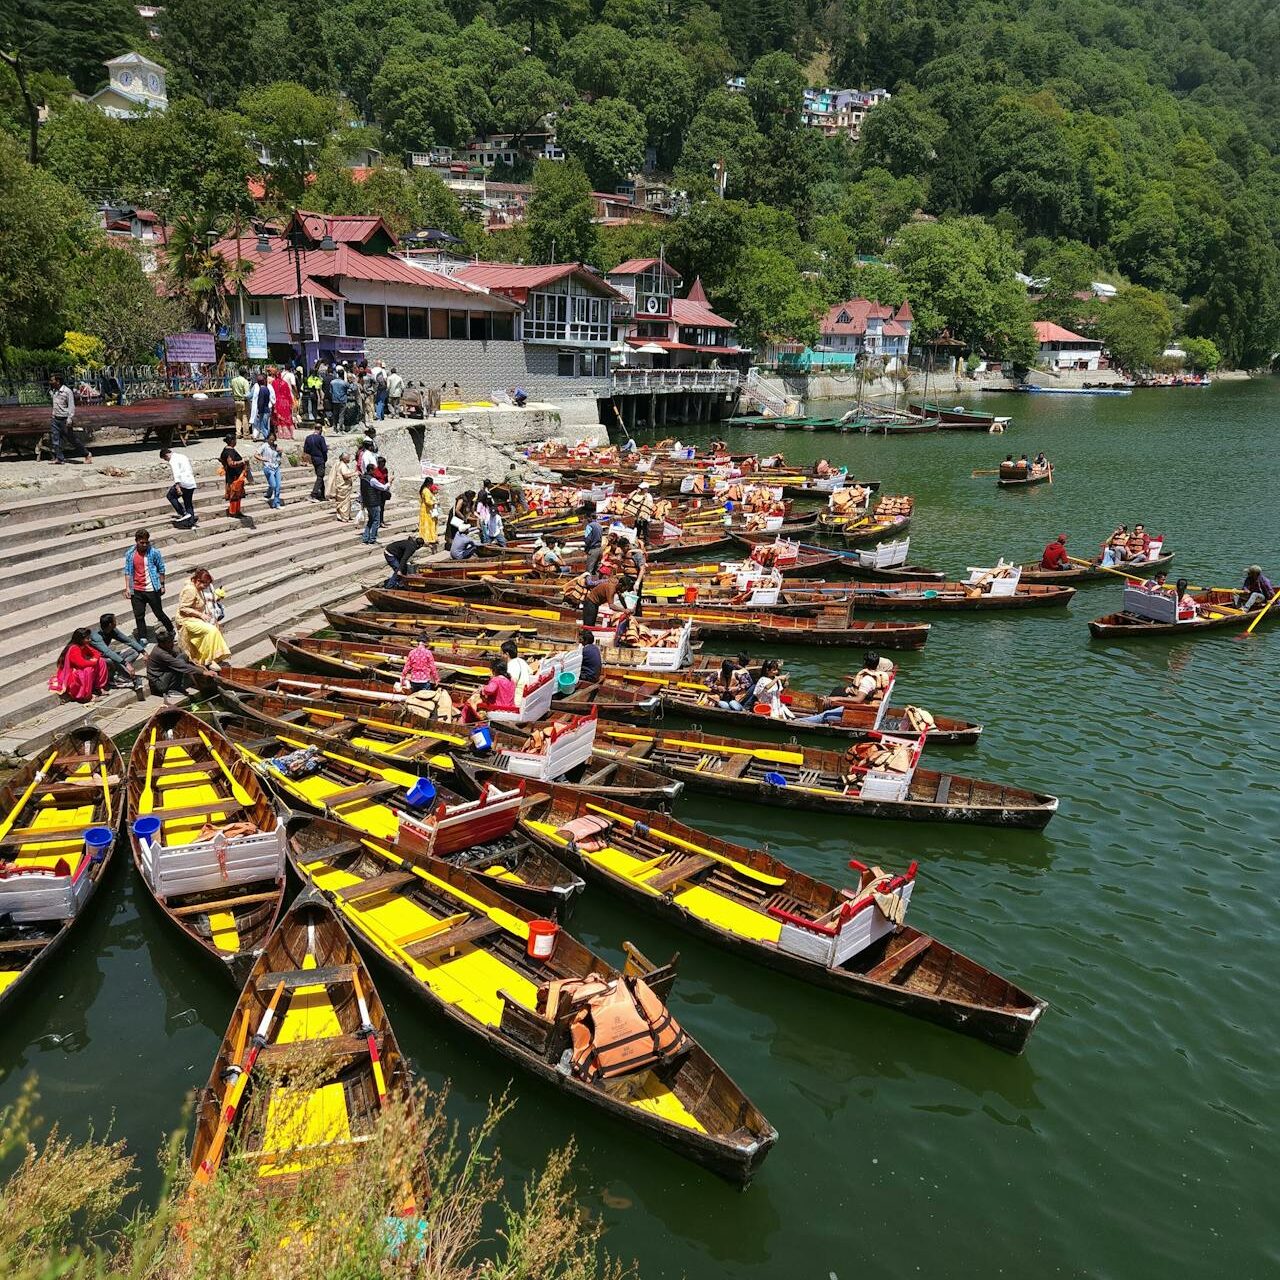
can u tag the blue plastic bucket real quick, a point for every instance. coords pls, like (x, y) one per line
(481, 738)
(97, 840)
(565, 681)
(146, 828)
(775, 779)
(423, 792)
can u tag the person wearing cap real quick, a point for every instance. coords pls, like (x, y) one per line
(1257, 588)
(639, 506)
(1055, 554)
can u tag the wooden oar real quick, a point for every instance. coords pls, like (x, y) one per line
(37, 778)
(366, 1030)
(147, 800)
(1249, 630)
(241, 793)
(106, 787)
(213, 1157)
(750, 872)
(988, 471)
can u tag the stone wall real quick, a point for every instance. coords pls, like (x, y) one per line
(484, 369)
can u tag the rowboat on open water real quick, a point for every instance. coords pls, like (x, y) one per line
(1155, 613)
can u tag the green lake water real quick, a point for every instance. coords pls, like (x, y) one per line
(1135, 1137)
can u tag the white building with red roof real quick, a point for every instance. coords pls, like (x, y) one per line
(1062, 349)
(859, 326)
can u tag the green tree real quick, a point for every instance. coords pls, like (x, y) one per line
(701, 40)
(419, 104)
(607, 136)
(440, 207)
(109, 296)
(772, 300)
(593, 61)
(1135, 327)
(775, 89)
(295, 31)
(724, 129)
(708, 242)
(959, 276)
(1067, 268)
(202, 278)
(659, 84)
(902, 136)
(523, 96)
(72, 37)
(292, 124)
(560, 226)
(877, 205)
(1203, 355)
(639, 18)
(190, 33)
(42, 227)
(91, 152)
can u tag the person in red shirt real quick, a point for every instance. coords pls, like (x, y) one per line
(1055, 554)
(499, 694)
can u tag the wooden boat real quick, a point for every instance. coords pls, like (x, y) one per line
(860, 530)
(470, 954)
(801, 777)
(957, 419)
(472, 827)
(757, 907)
(863, 566)
(955, 595)
(373, 719)
(809, 562)
(61, 811)
(827, 628)
(1154, 614)
(308, 1000)
(1085, 572)
(902, 426)
(1014, 474)
(625, 694)
(206, 838)
(727, 592)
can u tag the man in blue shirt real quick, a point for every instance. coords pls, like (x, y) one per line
(144, 583)
(316, 447)
(337, 397)
(592, 663)
(592, 538)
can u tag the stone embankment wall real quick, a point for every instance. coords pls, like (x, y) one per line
(484, 370)
(474, 444)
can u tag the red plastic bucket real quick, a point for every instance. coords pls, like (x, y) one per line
(762, 709)
(542, 939)
(690, 594)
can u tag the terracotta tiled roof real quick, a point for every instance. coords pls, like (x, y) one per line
(1047, 331)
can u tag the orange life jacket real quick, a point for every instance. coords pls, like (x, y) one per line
(621, 1029)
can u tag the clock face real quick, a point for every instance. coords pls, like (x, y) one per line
(126, 77)
(153, 81)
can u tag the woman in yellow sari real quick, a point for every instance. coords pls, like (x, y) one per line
(197, 620)
(428, 529)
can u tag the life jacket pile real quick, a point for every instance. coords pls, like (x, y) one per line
(888, 508)
(619, 1027)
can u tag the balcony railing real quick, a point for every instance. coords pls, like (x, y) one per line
(640, 380)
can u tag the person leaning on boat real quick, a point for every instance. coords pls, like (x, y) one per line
(1055, 554)
(1256, 589)
(608, 592)
(419, 672)
(870, 682)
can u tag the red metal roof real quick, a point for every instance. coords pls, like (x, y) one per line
(687, 311)
(1047, 331)
(697, 293)
(859, 311)
(665, 343)
(634, 266)
(344, 228)
(274, 274)
(515, 278)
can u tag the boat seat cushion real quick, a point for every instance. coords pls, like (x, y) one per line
(584, 828)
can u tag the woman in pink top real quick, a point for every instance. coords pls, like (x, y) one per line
(499, 694)
(419, 670)
(282, 414)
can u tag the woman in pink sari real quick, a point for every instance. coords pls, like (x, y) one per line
(282, 414)
(82, 670)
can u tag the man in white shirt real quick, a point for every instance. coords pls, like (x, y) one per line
(182, 494)
(395, 392)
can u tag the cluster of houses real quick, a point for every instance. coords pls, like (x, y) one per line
(836, 112)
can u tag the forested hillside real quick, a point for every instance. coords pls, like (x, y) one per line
(1135, 143)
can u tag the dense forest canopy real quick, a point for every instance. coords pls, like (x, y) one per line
(1136, 143)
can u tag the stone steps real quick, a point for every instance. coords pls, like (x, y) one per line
(279, 568)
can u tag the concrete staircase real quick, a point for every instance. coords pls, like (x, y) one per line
(61, 566)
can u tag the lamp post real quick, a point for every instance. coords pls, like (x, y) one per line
(295, 247)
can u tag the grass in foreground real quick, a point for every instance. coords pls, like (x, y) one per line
(336, 1225)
